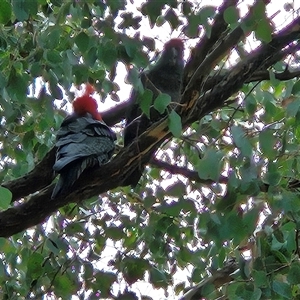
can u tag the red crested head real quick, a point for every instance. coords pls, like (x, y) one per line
(174, 43)
(87, 104)
(172, 54)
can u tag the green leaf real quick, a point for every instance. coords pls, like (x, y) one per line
(158, 278)
(273, 175)
(231, 15)
(250, 220)
(192, 28)
(5, 197)
(171, 209)
(172, 18)
(207, 12)
(209, 167)
(53, 56)
(18, 87)
(88, 271)
(264, 31)
(34, 265)
(107, 53)
(153, 9)
(56, 2)
(53, 37)
(260, 278)
(3, 80)
(294, 274)
(250, 104)
(91, 57)
(146, 102)
(174, 123)
(282, 289)
(36, 69)
(116, 5)
(259, 10)
(149, 201)
(82, 41)
(104, 280)
(162, 102)
(293, 108)
(134, 269)
(267, 143)
(19, 8)
(27, 140)
(186, 7)
(73, 59)
(32, 7)
(241, 141)
(5, 12)
(81, 73)
(176, 189)
(296, 88)
(65, 284)
(256, 294)
(115, 233)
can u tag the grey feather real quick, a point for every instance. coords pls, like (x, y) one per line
(166, 76)
(82, 142)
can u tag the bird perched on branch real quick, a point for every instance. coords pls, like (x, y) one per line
(83, 141)
(165, 76)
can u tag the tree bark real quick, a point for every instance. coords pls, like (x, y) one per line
(196, 103)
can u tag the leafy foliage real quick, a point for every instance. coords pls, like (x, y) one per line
(225, 186)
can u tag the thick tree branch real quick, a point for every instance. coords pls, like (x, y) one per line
(95, 182)
(116, 114)
(38, 178)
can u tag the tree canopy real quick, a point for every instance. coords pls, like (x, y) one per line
(216, 212)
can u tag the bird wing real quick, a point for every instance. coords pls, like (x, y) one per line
(83, 137)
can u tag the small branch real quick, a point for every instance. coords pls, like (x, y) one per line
(265, 75)
(115, 114)
(219, 278)
(191, 175)
(200, 51)
(256, 76)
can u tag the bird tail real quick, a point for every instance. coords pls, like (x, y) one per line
(58, 187)
(69, 175)
(64, 183)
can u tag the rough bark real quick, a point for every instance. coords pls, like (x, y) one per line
(197, 102)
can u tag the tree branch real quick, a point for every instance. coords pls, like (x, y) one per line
(256, 76)
(200, 51)
(219, 278)
(95, 181)
(116, 114)
(191, 175)
(38, 178)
